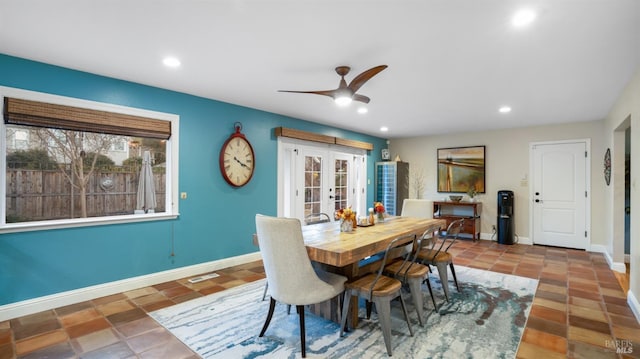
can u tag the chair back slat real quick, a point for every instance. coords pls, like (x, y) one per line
(400, 247)
(446, 241)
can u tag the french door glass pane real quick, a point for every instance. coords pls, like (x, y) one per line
(312, 184)
(341, 184)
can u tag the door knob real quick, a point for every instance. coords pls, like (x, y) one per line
(331, 197)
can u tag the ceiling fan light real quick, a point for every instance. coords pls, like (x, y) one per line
(362, 110)
(343, 100)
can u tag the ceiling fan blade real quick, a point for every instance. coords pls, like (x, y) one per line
(329, 93)
(359, 80)
(361, 98)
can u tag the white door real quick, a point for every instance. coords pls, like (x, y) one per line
(559, 194)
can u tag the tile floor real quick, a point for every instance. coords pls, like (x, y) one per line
(579, 310)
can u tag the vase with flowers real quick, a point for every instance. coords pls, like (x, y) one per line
(378, 208)
(347, 219)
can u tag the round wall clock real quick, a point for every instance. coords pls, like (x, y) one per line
(607, 166)
(237, 160)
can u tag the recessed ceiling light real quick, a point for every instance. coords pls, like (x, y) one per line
(384, 129)
(504, 109)
(362, 110)
(523, 17)
(171, 62)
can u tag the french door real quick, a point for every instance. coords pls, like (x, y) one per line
(315, 178)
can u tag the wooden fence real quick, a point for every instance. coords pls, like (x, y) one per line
(34, 195)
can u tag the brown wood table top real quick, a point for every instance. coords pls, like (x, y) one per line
(326, 244)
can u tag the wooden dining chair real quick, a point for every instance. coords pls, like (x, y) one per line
(412, 273)
(380, 289)
(291, 277)
(438, 255)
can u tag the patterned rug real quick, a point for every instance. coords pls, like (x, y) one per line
(486, 320)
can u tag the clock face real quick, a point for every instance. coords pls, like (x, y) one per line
(237, 161)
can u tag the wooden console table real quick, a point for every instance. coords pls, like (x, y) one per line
(451, 211)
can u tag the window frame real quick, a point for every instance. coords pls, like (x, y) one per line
(172, 157)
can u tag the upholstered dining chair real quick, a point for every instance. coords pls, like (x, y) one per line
(380, 289)
(412, 273)
(438, 255)
(419, 208)
(291, 277)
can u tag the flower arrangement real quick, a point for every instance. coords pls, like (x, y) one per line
(347, 219)
(378, 208)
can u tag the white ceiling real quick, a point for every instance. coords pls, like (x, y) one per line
(452, 63)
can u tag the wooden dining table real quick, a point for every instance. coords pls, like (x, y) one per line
(341, 252)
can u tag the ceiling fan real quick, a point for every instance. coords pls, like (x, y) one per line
(344, 94)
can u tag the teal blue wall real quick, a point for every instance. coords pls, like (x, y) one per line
(216, 221)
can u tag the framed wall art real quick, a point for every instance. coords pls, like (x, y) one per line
(461, 169)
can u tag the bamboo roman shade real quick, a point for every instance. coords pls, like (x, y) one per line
(35, 113)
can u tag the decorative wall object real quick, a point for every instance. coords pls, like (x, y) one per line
(607, 166)
(461, 168)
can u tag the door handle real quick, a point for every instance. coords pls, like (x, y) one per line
(331, 197)
(538, 201)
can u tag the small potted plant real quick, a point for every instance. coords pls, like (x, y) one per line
(472, 193)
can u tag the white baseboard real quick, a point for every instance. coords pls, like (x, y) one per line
(493, 237)
(634, 305)
(35, 305)
(616, 266)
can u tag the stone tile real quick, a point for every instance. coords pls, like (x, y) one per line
(549, 304)
(595, 325)
(126, 316)
(116, 350)
(85, 328)
(552, 288)
(586, 303)
(547, 326)
(138, 327)
(93, 341)
(108, 299)
(587, 313)
(214, 289)
(57, 351)
(172, 349)
(158, 305)
(78, 317)
(583, 350)
(548, 314)
(40, 341)
(545, 340)
(150, 339)
(140, 292)
(34, 324)
(6, 351)
(557, 297)
(588, 336)
(115, 307)
(167, 285)
(62, 311)
(186, 297)
(176, 291)
(149, 299)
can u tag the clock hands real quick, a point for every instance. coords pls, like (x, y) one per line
(241, 163)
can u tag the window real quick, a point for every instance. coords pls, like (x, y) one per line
(68, 162)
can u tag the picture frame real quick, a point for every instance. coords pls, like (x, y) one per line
(461, 169)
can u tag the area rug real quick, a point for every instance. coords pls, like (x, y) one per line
(485, 320)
